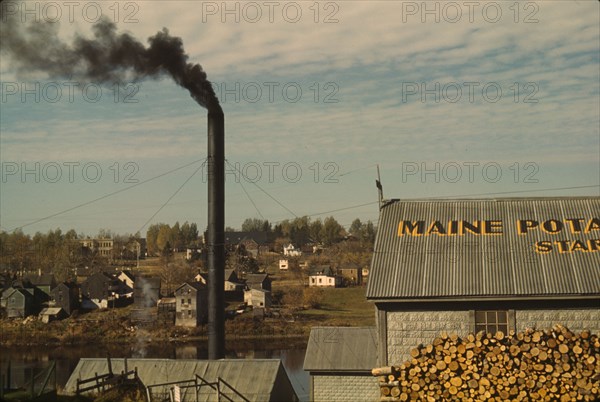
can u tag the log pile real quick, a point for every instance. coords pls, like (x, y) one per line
(534, 365)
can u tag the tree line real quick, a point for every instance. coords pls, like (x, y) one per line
(303, 230)
(160, 236)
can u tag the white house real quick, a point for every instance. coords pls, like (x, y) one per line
(291, 251)
(283, 265)
(323, 276)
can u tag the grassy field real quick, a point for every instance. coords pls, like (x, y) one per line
(344, 307)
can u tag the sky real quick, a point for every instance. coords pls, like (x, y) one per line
(441, 99)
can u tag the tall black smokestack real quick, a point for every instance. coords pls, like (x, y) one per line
(110, 57)
(216, 234)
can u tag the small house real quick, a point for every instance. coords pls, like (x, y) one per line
(351, 274)
(127, 279)
(44, 282)
(258, 281)
(20, 302)
(232, 282)
(191, 307)
(257, 298)
(283, 265)
(99, 289)
(339, 361)
(291, 251)
(324, 276)
(66, 296)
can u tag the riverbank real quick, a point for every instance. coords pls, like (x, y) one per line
(338, 307)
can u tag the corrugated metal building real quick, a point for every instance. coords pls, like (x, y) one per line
(339, 360)
(257, 379)
(468, 265)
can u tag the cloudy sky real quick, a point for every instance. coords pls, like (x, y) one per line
(449, 99)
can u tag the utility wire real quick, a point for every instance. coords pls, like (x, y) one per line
(251, 200)
(261, 189)
(171, 197)
(106, 195)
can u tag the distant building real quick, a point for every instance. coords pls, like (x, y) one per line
(127, 278)
(291, 251)
(339, 361)
(135, 249)
(66, 296)
(324, 276)
(254, 242)
(257, 298)
(232, 282)
(283, 265)
(99, 290)
(20, 302)
(104, 247)
(191, 304)
(44, 282)
(365, 274)
(192, 253)
(351, 274)
(258, 281)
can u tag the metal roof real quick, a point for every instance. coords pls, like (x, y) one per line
(341, 349)
(494, 265)
(256, 379)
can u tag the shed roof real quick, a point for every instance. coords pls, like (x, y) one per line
(341, 349)
(257, 379)
(408, 266)
(51, 311)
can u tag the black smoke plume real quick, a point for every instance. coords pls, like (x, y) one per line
(108, 57)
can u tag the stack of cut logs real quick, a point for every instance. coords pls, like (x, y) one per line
(534, 365)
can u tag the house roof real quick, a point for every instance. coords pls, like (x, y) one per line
(341, 349)
(321, 270)
(256, 379)
(51, 311)
(256, 278)
(410, 262)
(195, 285)
(230, 275)
(128, 274)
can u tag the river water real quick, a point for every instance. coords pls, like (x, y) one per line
(27, 360)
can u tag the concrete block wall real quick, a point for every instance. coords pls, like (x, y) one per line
(345, 388)
(408, 329)
(574, 319)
